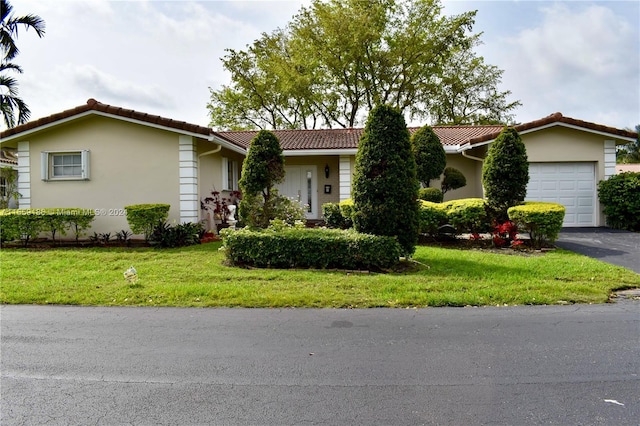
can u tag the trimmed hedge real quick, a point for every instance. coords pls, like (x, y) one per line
(468, 215)
(310, 248)
(338, 215)
(27, 224)
(541, 220)
(142, 218)
(620, 195)
(430, 194)
(432, 217)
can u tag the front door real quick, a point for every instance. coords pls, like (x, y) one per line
(300, 183)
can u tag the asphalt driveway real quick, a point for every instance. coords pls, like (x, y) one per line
(614, 246)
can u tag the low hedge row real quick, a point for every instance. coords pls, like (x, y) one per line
(468, 215)
(541, 220)
(310, 248)
(27, 224)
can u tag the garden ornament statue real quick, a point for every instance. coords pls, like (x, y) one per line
(232, 219)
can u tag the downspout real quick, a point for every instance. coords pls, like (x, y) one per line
(471, 157)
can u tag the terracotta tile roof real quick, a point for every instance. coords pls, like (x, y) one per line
(555, 118)
(349, 138)
(318, 139)
(93, 105)
(303, 139)
(459, 135)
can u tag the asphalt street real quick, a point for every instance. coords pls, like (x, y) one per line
(558, 365)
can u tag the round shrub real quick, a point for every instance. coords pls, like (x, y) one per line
(431, 194)
(453, 179)
(332, 216)
(541, 220)
(620, 195)
(468, 215)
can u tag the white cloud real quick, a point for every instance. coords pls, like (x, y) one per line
(580, 60)
(110, 88)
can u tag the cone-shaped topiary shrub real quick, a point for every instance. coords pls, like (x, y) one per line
(385, 187)
(261, 171)
(505, 173)
(429, 153)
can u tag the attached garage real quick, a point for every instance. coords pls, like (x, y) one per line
(571, 184)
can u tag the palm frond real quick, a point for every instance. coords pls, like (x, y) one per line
(9, 29)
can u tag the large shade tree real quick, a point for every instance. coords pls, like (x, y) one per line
(337, 59)
(630, 153)
(14, 109)
(385, 187)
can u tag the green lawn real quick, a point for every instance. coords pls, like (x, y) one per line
(195, 276)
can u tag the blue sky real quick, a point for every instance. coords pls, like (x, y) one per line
(581, 58)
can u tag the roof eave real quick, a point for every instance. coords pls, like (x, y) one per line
(217, 139)
(22, 135)
(318, 152)
(621, 139)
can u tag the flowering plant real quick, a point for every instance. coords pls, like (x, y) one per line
(505, 234)
(220, 205)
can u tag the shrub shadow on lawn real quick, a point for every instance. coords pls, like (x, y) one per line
(465, 268)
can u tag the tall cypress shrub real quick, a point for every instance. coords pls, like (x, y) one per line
(262, 169)
(430, 156)
(385, 186)
(505, 173)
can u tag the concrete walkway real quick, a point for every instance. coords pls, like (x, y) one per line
(613, 246)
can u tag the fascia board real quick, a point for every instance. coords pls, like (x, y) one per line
(24, 134)
(318, 152)
(226, 144)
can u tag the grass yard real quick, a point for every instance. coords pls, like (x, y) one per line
(195, 276)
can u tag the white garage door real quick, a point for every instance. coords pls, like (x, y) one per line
(570, 184)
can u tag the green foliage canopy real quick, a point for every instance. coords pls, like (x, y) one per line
(385, 187)
(630, 153)
(337, 59)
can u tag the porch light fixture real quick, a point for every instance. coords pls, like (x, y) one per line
(326, 171)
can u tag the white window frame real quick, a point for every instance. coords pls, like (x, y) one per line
(3, 186)
(230, 169)
(47, 169)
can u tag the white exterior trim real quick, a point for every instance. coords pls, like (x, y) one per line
(24, 175)
(467, 145)
(210, 137)
(345, 177)
(609, 159)
(318, 152)
(188, 157)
